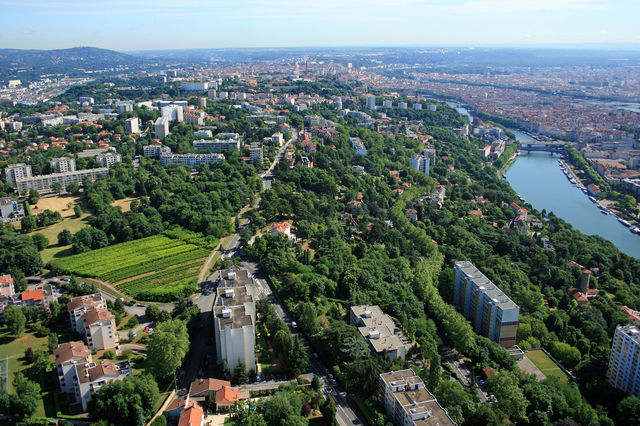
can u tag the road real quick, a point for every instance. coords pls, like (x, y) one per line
(463, 371)
(346, 413)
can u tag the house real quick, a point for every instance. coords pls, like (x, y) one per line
(6, 286)
(411, 214)
(203, 387)
(282, 228)
(634, 316)
(519, 210)
(32, 298)
(226, 398)
(192, 416)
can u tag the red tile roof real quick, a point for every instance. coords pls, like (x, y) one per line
(206, 385)
(191, 416)
(227, 395)
(33, 295)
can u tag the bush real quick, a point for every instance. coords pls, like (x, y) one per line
(40, 241)
(133, 321)
(108, 355)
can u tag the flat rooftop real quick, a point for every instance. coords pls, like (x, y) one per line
(238, 318)
(485, 285)
(235, 278)
(240, 296)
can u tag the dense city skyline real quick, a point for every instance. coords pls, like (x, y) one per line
(139, 25)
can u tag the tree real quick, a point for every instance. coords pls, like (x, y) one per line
(33, 197)
(40, 241)
(629, 411)
(64, 237)
(56, 187)
(52, 341)
(15, 320)
(328, 410)
(77, 210)
(118, 306)
(315, 383)
(73, 188)
(239, 374)
(168, 347)
(226, 370)
(127, 401)
(28, 356)
(27, 223)
(152, 312)
(282, 408)
(133, 322)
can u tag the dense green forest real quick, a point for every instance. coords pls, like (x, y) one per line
(349, 255)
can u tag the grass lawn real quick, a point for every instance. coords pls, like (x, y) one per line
(72, 224)
(546, 365)
(124, 204)
(10, 346)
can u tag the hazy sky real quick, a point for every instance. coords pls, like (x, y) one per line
(163, 24)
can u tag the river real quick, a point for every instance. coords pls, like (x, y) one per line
(537, 177)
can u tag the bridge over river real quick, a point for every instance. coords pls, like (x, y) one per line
(544, 146)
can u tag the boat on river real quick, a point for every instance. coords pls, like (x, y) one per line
(624, 222)
(593, 200)
(635, 229)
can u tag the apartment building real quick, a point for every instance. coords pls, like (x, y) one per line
(161, 127)
(100, 329)
(63, 164)
(132, 125)
(256, 153)
(380, 331)
(45, 183)
(80, 377)
(624, 364)
(358, 146)
(194, 116)
(194, 86)
(371, 102)
(190, 159)
(13, 172)
(173, 112)
(155, 151)
(109, 159)
(216, 145)
(491, 312)
(409, 402)
(421, 163)
(235, 318)
(89, 317)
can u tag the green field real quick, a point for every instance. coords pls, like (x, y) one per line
(121, 261)
(72, 224)
(159, 268)
(166, 281)
(546, 365)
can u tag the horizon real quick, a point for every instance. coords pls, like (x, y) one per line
(136, 25)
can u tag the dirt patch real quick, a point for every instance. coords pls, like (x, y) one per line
(124, 204)
(62, 204)
(527, 366)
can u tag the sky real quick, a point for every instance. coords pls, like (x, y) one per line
(127, 25)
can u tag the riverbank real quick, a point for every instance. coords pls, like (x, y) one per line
(539, 179)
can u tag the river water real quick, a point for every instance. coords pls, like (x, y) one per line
(537, 177)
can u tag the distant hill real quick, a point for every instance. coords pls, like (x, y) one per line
(30, 64)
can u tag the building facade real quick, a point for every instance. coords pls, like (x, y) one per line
(421, 163)
(132, 125)
(63, 164)
(45, 183)
(216, 145)
(491, 312)
(190, 159)
(234, 319)
(624, 364)
(13, 172)
(161, 127)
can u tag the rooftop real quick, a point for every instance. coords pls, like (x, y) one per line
(235, 278)
(484, 284)
(205, 385)
(237, 317)
(70, 350)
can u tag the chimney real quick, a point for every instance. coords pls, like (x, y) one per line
(584, 281)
